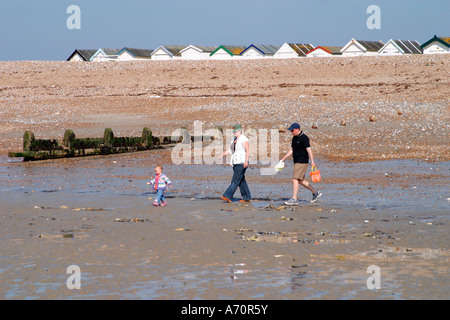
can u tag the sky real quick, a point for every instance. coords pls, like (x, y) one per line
(38, 30)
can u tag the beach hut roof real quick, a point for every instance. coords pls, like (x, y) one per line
(372, 46)
(205, 49)
(405, 46)
(112, 53)
(86, 54)
(330, 50)
(333, 49)
(263, 48)
(300, 48)
(172, 50)
(138, 53)
(232, 50)
(443, 40)
(108, 51)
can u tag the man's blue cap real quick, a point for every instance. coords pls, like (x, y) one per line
(293, 126)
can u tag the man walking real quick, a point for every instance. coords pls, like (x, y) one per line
(302, 154)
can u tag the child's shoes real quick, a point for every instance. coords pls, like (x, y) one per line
(155, 203)
(163, 203)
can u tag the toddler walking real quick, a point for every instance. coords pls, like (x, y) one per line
(161, 182)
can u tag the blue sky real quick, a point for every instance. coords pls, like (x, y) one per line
(37, 30)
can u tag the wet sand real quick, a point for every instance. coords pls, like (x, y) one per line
(385, 183)
(97, 214)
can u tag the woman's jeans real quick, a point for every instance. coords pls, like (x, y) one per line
(238, 180)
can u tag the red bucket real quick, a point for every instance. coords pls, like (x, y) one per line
(315, 174)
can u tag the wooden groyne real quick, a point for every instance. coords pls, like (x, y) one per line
(71, 146)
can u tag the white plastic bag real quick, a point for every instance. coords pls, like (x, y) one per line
(279, 166)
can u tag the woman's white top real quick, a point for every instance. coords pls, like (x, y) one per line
(238, 156)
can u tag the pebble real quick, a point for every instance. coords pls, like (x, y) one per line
(428, 114)
(130, 220)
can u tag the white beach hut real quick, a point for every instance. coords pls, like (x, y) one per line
(259, 51)
(399, 47)
(81, 55)
(293, 50)
(355, 48)
(226, 52)
(103, 54)
(436, 45)
(196, 52)
(167, 52)
(127, 54)
(325, 51)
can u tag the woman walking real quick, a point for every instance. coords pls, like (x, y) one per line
(240, 151)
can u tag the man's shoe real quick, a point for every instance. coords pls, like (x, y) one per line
(316, 196)
(225, 199)
(291, 202)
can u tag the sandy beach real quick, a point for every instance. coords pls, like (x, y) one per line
(385, 182)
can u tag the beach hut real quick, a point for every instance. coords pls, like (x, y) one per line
(196, 52)
(355, 48)
(258, 51)
(103, 54)
(324, 51)
(81, 55)
(167, 52)
(399, 47)
(293, 50)
(436, 45)
(225, 52)
(127, 54)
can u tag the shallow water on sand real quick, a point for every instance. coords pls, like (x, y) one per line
(97, 214)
